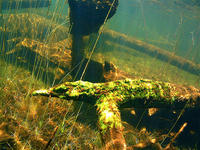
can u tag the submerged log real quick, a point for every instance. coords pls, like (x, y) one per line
(108, 97)
(86, 17)
(35, 26)
(152, 50)
(142, 93)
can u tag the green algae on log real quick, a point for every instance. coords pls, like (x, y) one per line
(108, 97)
(138, 93)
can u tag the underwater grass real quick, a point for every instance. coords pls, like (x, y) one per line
(31, 121)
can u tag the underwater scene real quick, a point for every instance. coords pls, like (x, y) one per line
(99, 75)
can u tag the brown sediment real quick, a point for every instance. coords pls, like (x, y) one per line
(10, 126)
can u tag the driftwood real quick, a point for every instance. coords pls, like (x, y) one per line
(152, 50)
(108, 97)
(87, 17)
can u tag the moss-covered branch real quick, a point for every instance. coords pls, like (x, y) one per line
(127, 93)
(107, 97)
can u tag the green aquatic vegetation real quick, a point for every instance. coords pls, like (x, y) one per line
(108, 113)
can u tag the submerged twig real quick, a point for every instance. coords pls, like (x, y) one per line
(49, 142)
(176, 135)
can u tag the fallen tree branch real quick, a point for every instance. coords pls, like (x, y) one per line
(108, 97)
(140, 93)
(152, 50)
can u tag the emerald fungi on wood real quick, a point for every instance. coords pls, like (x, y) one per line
(108, 97)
